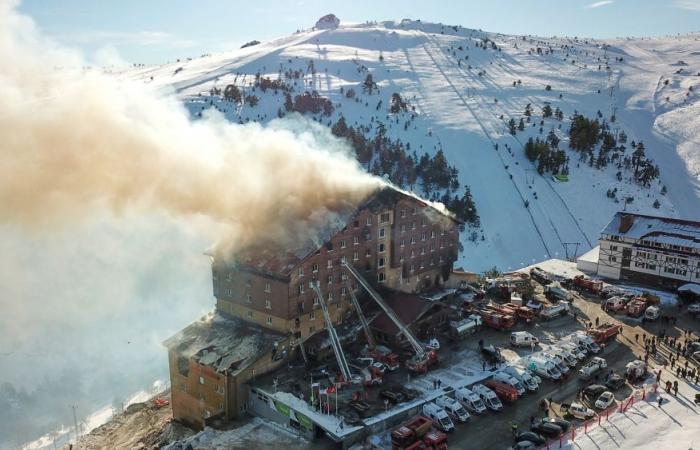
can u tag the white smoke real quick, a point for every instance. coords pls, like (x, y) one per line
(108, 195)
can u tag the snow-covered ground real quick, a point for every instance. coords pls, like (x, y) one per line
(647, 426)
(463, 96)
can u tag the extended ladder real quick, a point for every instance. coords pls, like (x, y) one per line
(332, 335)
(417, 347)
(363, 320)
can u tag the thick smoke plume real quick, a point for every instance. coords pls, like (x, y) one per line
(74, 140)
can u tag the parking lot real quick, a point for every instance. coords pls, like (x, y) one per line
(493, 430)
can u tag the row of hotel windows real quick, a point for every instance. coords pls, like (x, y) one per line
(670, 246)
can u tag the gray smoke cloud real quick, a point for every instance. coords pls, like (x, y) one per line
(108, 195)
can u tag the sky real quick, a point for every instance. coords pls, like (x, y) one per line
(154, 31)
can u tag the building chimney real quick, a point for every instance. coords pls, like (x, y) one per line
(626, 222)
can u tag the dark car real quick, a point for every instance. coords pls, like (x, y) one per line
(392, 396)
(530, 436)
(547, 429)
(593, 391)
(563, 424)
(615, 382)
(408, 393)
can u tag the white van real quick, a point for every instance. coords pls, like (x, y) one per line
(566, 355)
(557, 360)
(453, 408)
(523, 376)
(523, 339)
(572, 348)
(585, 340)
(438, 416)
(470, 400)
(488, 396)
(511, 381)
(543, 366)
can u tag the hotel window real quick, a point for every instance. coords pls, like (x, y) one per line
(413, 268)
(312, 314)
(229, 292)
(268, 288)
(355, 256)
(343, 259)
(403, 242)
(432, 248)
(301, 288)
(369, 220)
(413, 240)
(422, 223)
(314, 268)
(250, 314)
(316, 301)
(432, 234)
(330, 296)
(268, 305)
(329, 264)
(228, 276)
(381, 262)
(413, 225)
(381, 248)
(382, 277)
(300, 272)
(384, 218)
(312, 329)
(403, 213)
(342, 243)
(613, 258)
(403, 227)
(249, 298)
(413, 254)
(343, 291)
(201, 380)
(382, 232)
(269, 320)
(368, 253)
(355, 240)
(330, 279)
(422, 236)
(401, 257)
(413, 211)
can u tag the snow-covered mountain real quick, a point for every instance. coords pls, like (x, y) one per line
(462, 87)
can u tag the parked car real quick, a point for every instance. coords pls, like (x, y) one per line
(694, 308)
(605, 400)
(392, 396)
(523, 445)
(615, 382)
(593, 391)
(563, 424)
(578, 411)
(547, 429)
(530, 436)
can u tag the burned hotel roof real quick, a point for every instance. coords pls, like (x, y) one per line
(226, 344)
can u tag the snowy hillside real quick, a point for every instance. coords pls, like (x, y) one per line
(461, 88)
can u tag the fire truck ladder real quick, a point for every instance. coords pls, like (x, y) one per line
(417, 347)
(363, 320)
(332, 335)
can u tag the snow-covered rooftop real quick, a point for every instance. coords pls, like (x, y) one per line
(659, 229)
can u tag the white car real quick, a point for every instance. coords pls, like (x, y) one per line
(694, 308)
(581, 412)
(605, 400)
(380, 367)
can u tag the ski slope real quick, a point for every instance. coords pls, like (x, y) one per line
(464, 95)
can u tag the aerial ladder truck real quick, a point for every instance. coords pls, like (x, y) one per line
(422, 358)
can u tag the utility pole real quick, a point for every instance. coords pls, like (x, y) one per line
(74, 407)
(566, 249)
